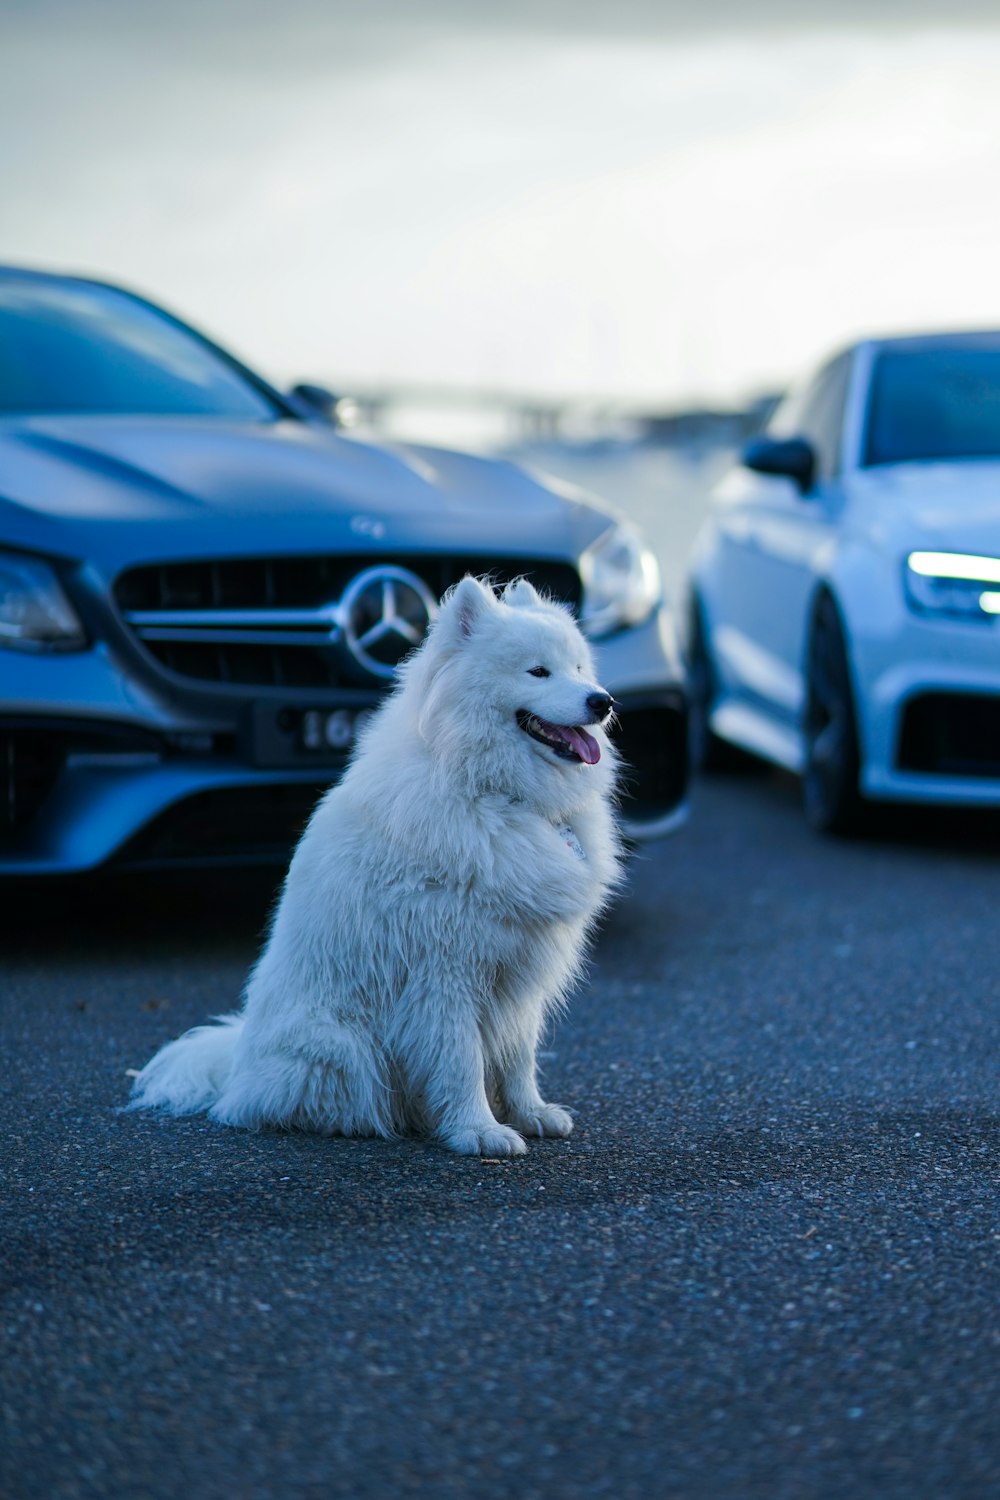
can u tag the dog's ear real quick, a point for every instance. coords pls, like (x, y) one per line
(466, 606)
(522, 595)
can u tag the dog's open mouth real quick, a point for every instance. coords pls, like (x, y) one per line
(570, 742)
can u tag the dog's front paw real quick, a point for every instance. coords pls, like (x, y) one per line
(489, 1140)
(544, 1119)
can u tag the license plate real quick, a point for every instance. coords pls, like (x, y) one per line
(321, 729)
(303, 736)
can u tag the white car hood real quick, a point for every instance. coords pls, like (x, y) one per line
(944, 507)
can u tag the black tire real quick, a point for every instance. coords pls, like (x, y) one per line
(706, 751)
(832, 771)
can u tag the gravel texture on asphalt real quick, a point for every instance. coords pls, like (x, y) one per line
(764, 1265)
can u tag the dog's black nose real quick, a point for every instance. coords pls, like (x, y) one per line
(599, 706)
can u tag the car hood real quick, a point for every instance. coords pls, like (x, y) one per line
(119, 491)
(947, 507)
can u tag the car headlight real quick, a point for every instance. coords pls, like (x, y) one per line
(953, 583)
(35, 614)
(621, 582)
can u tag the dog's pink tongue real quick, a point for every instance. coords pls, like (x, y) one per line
(584, 744)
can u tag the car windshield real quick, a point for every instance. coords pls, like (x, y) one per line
(934, 404)
(75, 348)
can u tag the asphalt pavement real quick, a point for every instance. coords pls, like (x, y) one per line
(764, 1265)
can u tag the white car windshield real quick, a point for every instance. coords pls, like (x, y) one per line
(934, 403)
(73, 348)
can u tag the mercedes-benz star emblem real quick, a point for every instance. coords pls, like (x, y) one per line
(386, 612)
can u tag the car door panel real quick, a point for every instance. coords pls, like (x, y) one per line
(769, 540)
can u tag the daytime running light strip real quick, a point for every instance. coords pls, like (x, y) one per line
(955, 565)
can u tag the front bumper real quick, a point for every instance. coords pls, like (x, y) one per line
(101, 763)
(929, 704)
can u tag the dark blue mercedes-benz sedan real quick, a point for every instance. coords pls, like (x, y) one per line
(204, 588)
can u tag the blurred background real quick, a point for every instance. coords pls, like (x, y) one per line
(601, 236)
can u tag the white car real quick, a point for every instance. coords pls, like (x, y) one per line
(844, 609)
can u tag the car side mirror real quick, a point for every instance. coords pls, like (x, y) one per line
(315, 401)
(792, 458)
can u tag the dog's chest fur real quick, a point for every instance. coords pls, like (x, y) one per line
(530, 892)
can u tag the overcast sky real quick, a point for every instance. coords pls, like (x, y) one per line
(643, 201)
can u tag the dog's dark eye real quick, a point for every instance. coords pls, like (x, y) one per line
(539, 672)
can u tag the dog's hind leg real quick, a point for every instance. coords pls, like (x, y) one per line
(338, 1089)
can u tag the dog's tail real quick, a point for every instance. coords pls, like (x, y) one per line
(188, 1075)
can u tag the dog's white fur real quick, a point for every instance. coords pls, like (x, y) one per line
(436, 908)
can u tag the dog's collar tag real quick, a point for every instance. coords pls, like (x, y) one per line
(570, 839)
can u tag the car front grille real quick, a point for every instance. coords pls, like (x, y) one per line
(271, 622)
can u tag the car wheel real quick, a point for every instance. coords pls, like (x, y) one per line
(832, 801)
(707, 752)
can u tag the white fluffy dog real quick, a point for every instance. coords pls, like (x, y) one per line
(437, 906)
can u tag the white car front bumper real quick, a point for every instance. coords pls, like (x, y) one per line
(929, 711)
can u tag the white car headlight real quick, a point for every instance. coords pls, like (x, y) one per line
(621, 582)
(35, 614)
(953, 583)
